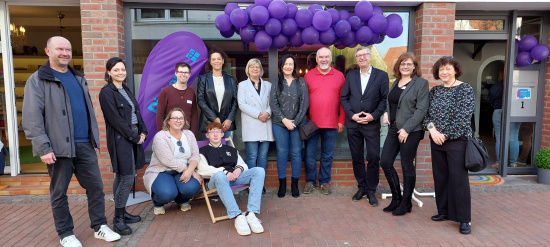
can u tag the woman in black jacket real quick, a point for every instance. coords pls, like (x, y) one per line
(217, 96)
(126, 132)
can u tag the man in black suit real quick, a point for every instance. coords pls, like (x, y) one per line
(364, 101)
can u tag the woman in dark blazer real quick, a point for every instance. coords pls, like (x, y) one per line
(126, 132)
(407, 105)
(217, 96)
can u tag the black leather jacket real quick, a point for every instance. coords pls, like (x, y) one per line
(208, 103)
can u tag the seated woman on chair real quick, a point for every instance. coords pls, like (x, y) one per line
(225, 168)
(171, 174)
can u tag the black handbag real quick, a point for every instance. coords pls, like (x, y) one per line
(307, 130)
(477, 157)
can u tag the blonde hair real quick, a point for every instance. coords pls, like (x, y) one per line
(166, 126)
(251, 62)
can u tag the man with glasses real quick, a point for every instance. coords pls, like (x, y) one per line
(225, 168)
(324, 85)
(178, 95)
(364, 101)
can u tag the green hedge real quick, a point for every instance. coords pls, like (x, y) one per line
(542, 159)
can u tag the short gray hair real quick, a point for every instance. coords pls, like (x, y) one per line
(323, 48)
(251, 62)
(362, 48)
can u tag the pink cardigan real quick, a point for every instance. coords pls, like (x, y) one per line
(163, 156)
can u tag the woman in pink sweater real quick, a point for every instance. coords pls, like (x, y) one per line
(171, 174)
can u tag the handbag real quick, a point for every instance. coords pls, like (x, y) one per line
(476, 155)
(307, 130)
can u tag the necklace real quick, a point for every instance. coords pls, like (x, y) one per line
(452, 84)
(180, 91)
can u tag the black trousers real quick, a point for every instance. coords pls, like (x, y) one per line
(357, 137)
(452, 186)
(392, 147)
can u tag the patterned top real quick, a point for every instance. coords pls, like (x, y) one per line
(292, 103)
(451, 110)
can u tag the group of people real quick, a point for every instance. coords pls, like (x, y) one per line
(59, 118)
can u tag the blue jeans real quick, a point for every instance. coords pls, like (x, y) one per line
(167, 187)
(256, 154)
(288, 141)
(328, 141)
(512, 140)
(254, 177)
(497, 116)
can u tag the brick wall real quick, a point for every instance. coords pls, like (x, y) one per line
(102, 38)
(545, 141)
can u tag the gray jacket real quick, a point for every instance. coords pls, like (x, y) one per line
(47, 116)
(412, 106)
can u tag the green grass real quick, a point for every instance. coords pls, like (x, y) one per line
(25, 155)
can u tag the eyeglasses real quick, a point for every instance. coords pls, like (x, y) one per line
(183, 72)
(447, 57)
(215, 132)
(362, 55)
(182, 150)
(178, 119)
(407, 64)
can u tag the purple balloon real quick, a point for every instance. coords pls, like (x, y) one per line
(344, 14)
(296, 39)
(259, 15)
(353, 45)
(264, 3)
(327, 37)
(338, 44)
(355, 23)
(277, 9)
(263, 40)
(273, 27)
(280, 41)
(315, 7)
(291, 10)
(394, 29)
(374, 39)
(223, 22)
(377, 23)
(524, 59)
(248, 33)
(349, 39)
(394, 18)
(363, 35)
(381, 37)
(228, 34)
(342, 28)
(288, 27)
(304, 17)
(363, 10)
(539, 52)
(230, 7)
(322, 20)
(310, 35)
(528, 42)
(377, 10)
(249, 9)
(239, 18)
(334, 14)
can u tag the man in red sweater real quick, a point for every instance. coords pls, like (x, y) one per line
(178, 95)
(325, 86)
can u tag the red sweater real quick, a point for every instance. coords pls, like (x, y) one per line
(171, 97)
(324, 97)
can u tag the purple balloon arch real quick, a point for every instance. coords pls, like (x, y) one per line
(274, 23)
(529, 49)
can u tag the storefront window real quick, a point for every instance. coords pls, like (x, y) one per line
(479, 25)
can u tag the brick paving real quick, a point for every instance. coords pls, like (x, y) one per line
(516, 215)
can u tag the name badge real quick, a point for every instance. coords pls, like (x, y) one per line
(189, 102)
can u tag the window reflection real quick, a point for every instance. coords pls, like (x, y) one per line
(479, 25)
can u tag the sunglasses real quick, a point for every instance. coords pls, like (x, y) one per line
(182, 150)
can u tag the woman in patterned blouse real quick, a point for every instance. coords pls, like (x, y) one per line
(449, 125)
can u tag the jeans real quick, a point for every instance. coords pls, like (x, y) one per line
(254, 177)
(512, 139)
(497, 116)
(256, 154)
(288, 141)
(328, 141)
(86, 170)
(167, 187)
(121, 189)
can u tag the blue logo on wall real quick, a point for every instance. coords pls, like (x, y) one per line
(193, 55)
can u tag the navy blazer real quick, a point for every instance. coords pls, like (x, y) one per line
(372, 101)
(208, 103)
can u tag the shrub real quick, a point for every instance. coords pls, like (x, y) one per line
(542, 159)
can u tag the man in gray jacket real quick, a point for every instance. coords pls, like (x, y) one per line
(59, 119)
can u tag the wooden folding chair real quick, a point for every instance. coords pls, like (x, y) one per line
(206, 193)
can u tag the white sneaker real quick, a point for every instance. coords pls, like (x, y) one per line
(106, 234)
(185, 207)
(159, 210)
(70, 241)
(242, 226)
(254, 223)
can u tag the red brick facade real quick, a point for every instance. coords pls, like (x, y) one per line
(545, 142)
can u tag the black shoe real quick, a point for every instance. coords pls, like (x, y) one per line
(465, 228)
(128, 218)
(120, 226)
(360, 194)
(282, 188)
(439, 217)
(393, 205)
(264, 191)
(294, 188)
(372, 200)
(404, 207)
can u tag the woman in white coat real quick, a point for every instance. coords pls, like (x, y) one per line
(253, 99)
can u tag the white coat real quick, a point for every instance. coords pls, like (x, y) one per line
(251, 105)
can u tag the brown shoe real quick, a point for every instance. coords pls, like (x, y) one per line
(325, 188)
(495, 166)
(513, 164)
(308, 188)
